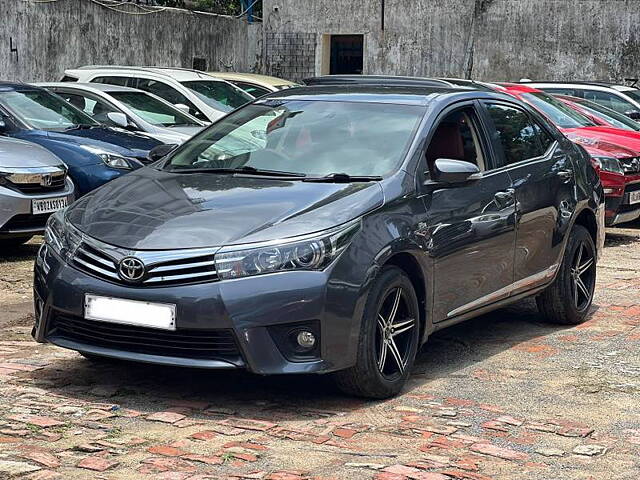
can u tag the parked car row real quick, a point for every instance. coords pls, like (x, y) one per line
(97, 127)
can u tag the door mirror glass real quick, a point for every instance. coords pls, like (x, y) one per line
(182, 107)
(3, 124)
(119, 119)
(449, 171)
(634, 114)
(161, 151)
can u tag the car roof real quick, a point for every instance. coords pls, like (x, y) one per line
(578, 84)
(252, 77)
(379, 93)
(180, 74)
(17, 86)
(518, 88)
(96, 87)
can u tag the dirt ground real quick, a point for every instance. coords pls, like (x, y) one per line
(504, 396)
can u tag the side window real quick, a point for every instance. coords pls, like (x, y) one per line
(608, 100)
(564, 91)
(90, 105)
(170, 94)
(121, 81)
(457, 137)
(521, 137)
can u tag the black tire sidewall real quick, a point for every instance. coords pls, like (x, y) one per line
(579, 235)
(388, 279)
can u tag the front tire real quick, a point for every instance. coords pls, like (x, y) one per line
(388, 340)
(568, 299)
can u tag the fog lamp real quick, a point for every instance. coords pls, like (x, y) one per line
(306, 339)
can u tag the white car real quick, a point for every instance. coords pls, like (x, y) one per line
(130, 109)
(621, 98)
(201, 95)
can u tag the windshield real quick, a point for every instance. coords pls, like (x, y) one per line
(313, 138)
(43, 110)
(220, 95)
(152, 110)
(556, 111)
(610, 116)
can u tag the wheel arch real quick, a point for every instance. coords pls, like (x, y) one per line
(587, 218)
(406, 262)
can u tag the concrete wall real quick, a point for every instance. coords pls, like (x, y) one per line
(51, 37)
(491, 39)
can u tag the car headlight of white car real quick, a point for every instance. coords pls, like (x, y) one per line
(313, 252)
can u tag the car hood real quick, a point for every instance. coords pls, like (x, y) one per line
(154, 210)
(115, 140)
(20, 154)
(174, 135)
(615, 142)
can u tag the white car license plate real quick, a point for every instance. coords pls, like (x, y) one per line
(634, 197)
(48, 205)
(130, 312)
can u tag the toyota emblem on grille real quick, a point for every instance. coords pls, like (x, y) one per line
(131, 269)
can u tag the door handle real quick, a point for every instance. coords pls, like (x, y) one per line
(565, 175)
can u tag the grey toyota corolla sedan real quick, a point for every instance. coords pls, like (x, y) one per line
(326, 229)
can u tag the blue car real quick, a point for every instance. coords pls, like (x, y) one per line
(93, 152)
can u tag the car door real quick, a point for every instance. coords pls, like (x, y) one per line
(469, 231)
(538, 159)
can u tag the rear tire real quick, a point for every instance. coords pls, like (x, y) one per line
(568, 299)
(388, 341)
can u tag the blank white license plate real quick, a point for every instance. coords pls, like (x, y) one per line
(130, 312)
(634, 197)
(48, 205)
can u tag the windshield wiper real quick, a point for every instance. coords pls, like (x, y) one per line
(343, 178)
(245, 169)
(80, 126)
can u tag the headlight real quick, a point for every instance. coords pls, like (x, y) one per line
(308, 253)
(61, 237)
(117, 161)
(608, 164)
(113, 160)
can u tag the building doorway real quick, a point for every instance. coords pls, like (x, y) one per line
(346, 54)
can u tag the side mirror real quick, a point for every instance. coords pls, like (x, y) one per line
(161, 151)
(119, 118)
(182, 107)
(3, 124)
(634, 114)
(448, 171)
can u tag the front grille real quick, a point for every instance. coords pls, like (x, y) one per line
(162, 269)
(631, 166)
(195, 344)
(26, 221)
(35, 183)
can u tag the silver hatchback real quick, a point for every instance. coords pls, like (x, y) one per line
(33, 185)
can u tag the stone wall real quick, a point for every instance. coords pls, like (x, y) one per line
(51, 37)
(484, 39)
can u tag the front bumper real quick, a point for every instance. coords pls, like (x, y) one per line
(248, 309)
(16, 217)
(620, 209)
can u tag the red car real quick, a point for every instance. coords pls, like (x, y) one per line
(615, 152)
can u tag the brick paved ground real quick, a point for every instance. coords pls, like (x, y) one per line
(501, 397)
